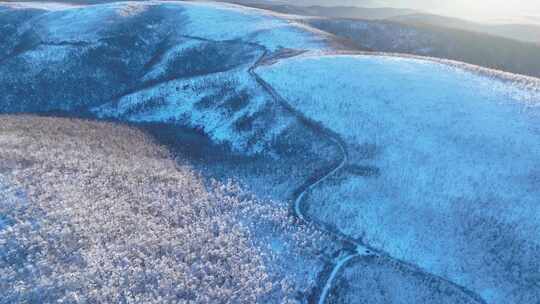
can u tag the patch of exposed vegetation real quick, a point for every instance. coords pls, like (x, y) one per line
(109, 217)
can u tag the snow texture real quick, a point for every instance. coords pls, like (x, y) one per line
(9, 196)
(230, 22)
(213, 21)
(172, 62)
(452, 157)
(205, 103)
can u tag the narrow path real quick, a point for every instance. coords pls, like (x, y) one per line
(328, 286)
(345, 255)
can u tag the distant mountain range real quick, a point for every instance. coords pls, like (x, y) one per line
(523, 32)
(525, 29)
(331, 11)
(434, 41)
(513, 48)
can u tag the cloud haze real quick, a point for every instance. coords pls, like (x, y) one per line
(486, 9)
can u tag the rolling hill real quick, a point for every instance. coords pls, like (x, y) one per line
(522, 29)
(508, 46)
(435, 151)
(435, 41)
(526, 32)
(349, 177)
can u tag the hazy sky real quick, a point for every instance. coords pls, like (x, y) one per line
(484, 9)
(479, 8)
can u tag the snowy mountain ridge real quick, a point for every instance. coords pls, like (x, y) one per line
(138, 46)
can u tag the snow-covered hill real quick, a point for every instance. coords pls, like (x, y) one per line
(427, 39)
(453, 159)
(186, 63)
(432, 165)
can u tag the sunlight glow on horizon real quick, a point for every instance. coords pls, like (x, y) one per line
(469, 9)
(485, 9)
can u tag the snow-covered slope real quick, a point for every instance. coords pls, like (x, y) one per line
(213, 21)
(442, 169)
(444, 165)
(176, 62)
(429, 40)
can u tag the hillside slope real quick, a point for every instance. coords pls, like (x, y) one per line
(523, 29)
(108, 217)
(442, 165)
(171, 62)
(93, 211)
(426, 39)
(522, 32)
(420, 174)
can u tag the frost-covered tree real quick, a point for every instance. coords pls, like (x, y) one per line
(109, 217)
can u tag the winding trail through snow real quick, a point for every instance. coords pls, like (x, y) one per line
(328, 285)
(359, 248)
(346, 254)
(351, 248)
